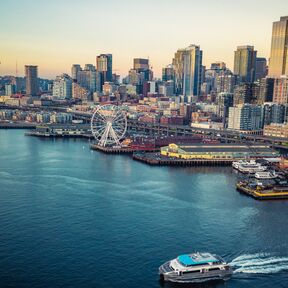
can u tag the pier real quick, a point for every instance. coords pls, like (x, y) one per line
(156, 159)
(123, 150)
(265, 194)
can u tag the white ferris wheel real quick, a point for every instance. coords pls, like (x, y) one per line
(108, 125)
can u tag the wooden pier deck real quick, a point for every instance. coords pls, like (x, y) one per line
(122, 150)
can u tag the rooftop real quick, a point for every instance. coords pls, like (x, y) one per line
(196, 259)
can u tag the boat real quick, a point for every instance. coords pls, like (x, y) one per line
(265, 175)
(252, 168)
(195, 268)
(236, 164)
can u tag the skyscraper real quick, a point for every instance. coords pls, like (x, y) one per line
(104, 67)
(278, 65)
(32, 86)
(244, 63)
(266, 90)
(74, 71)
(245, 117)
(280, 95)
(187, 64)
(140, 63)
(62, 87)
(260, 68)
(168, 73)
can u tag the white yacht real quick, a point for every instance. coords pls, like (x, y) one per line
(251, 167)
(194, 268)
(265, 175)
(236, 164)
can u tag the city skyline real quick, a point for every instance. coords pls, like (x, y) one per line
(36, 33)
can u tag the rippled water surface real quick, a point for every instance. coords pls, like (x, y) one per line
(71, 217)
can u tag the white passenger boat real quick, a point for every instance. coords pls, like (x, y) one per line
(265, 175)
(251, 167)
(195, 268)
(236, 164)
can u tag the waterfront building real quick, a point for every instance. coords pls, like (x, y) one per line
(61, 118)
(276, 130)
(62, 87)
(266, 90)
(245, 117)
(43, 117)
(278, 64)
(32, 85)
(280, 94)
(244, 63)
(104, 67)
(217, 151)
(187, 64)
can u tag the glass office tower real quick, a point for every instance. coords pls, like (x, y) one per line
(278, 65)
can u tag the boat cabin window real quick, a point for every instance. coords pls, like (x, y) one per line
(213, 269)
(193, 271)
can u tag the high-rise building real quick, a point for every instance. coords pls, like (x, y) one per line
(278, 64)
(9, 89)
(89, 78)
(79, 92)
(168, 73)
(218, 66)
(245, 117)
(242, 94)
(266, 90)
(244, 63)
(273, 113)
(280, 94)
(140, 63)
(224, 101)
(62, 87)
(74, 71)
(225, 82)
(261, 68)
(187, 64)
(104, 67)
(32, 86)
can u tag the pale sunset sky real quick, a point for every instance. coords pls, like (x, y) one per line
(55, 34)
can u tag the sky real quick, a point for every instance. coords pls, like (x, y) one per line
(55, 34)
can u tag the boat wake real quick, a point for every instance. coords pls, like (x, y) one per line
(260, 263)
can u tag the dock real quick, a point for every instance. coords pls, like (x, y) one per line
(123, 150)
(157, 160)
(265, 194)
(17, 125)
(58, 135)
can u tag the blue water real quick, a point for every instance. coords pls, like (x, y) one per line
(72, 217)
